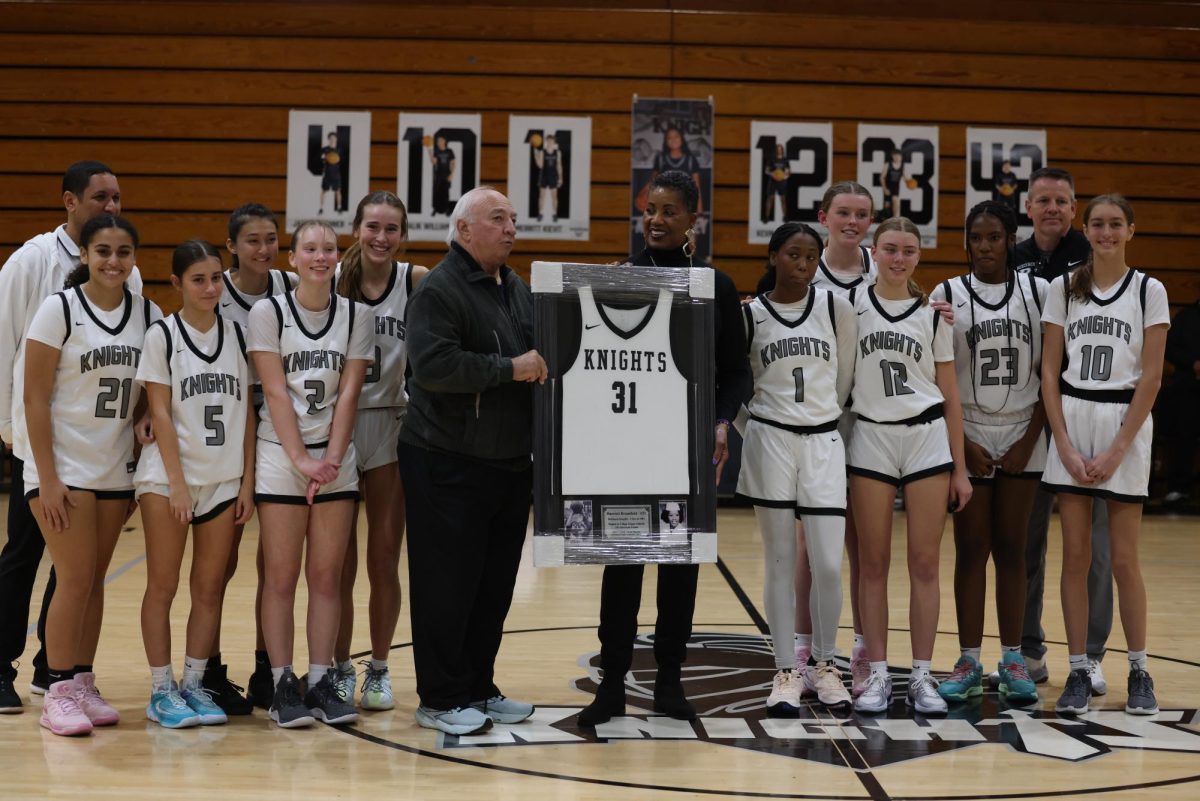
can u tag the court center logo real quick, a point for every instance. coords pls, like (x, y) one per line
(728, 677)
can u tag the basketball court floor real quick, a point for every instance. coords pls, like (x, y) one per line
(982, 750)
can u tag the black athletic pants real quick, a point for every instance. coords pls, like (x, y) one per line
(466, 527)
(18, 569)
(620, 599)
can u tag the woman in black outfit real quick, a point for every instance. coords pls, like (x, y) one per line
(671, 209)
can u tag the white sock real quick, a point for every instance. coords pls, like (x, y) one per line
(344, 666)
(193, 672)
(1009, 649)
(315, 673)
(378, 664)
(161, 677)
(803, 640)
(879, 669)
(920, 669)
(1078, 661)
(277, 673)
(859, 642)
(1137, 659)
(974, 653)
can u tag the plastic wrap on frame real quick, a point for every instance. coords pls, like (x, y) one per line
(609, 516)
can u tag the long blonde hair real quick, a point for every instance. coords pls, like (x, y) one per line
(904, 226)
(350, 283)
(1084, 277)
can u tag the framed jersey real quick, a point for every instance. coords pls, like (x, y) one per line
(623, 427)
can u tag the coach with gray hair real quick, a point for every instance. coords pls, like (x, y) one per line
(465, 459)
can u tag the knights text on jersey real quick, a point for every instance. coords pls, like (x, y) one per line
(997, 342)
(383, 387)
(898, 343)
(314, 347)
(209, 380)
(794, 358)
(94, 394)
(1104, 334)
(624, 407)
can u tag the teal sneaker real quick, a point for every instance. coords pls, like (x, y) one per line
(377, 689)
(1016, 685)
(965, 681)
(201, 702)
(167, 708)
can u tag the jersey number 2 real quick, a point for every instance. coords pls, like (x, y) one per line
(895, 378)
(111, 390)
(620, 405)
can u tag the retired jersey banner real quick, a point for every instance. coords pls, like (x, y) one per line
(670, 134)
(999, 163)
(899, 165)
(328, 166)
(550, 175)
(791, 166)
(438, 162)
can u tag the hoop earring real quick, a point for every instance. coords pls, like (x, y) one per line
(689, 249)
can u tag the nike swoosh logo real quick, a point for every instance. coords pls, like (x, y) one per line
(759, 322)
(861, 313)
(590, 327)
(78, 323)
(964, 303)
(1071, 264)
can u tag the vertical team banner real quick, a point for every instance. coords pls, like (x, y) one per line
(791, 166)
(328, 165)
(899, 165)
(438, 162)
(999, 163)
(550, 175)
(670, 134)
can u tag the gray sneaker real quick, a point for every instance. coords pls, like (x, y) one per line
(504, 710)
(325, 703)
(1141, 694)
(460, 720)
(287, 709)
(1074, 698)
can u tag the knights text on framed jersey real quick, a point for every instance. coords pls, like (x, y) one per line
(623, 426)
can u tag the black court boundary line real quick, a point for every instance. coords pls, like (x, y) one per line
(751, 610)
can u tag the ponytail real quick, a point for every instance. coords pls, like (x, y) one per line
(915, 290)
(349, 285)
(1083, 278)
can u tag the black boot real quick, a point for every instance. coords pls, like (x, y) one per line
(668, 694)
(609, 702)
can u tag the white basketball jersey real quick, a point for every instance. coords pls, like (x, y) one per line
(997, 342)
(236, 305)
(95, 394)
(209, 379)
(850, 288)
(384, 384)
(794, 358)
(312, 364)
(1104, 336)
(898, 342)
(624, 407)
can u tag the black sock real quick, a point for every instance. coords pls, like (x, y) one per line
(56, 676)
(83, 669)
(214, 661)
(261, 658)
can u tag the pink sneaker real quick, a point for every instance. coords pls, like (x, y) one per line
(60, 710)
(860, 670)
(96, 708)
(802, 654)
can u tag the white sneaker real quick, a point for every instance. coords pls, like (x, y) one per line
(345, 683)
(784, 700)
(1096, 676)
(923, 696)
(876, 694)
(860, 669)
(826, 681)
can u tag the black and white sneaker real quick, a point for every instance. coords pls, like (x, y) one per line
(1141, 694)
(325, 703)
(287, 708)
(1076, 693)
(10, 702)
(40, 683)
(224, 692)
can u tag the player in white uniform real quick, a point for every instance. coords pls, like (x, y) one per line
(998, 355)
(909, 435)
(80, 399)
(253, 245)
(1106, 333)
(198, 471)
(311, 349)
(801, 342)
(370, 274)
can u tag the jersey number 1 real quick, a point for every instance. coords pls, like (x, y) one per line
(895, 378)
(620, 405)
(112, 389)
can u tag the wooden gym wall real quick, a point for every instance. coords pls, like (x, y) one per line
(188, 101)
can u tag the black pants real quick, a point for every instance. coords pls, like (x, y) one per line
(466, 528)
(620, 598)
(18, 570)
(1181, 403)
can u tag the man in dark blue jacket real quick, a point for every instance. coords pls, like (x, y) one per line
(465, 459)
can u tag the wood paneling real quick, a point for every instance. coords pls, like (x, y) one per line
(189, 100)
